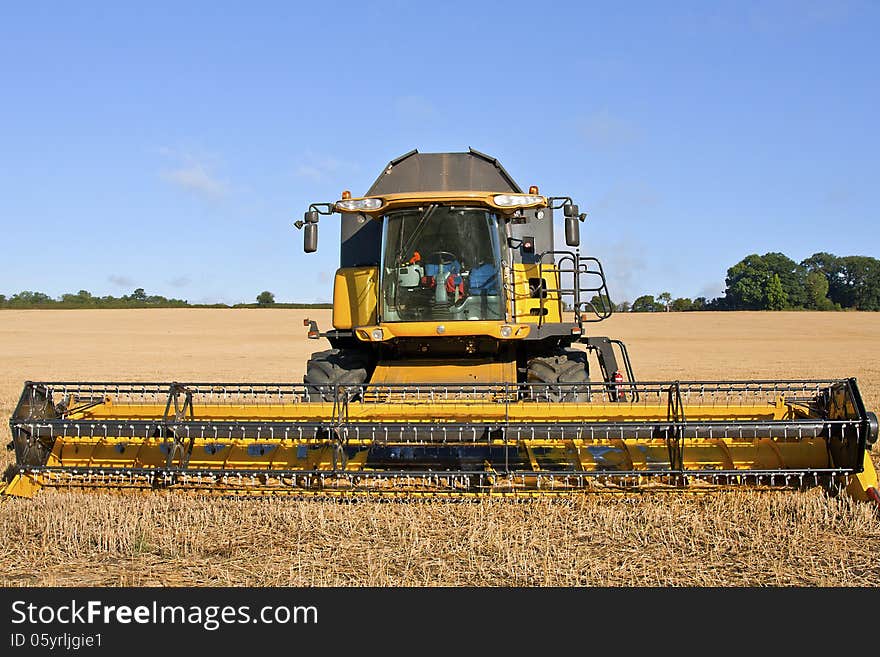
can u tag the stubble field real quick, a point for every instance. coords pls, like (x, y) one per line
(68, 538)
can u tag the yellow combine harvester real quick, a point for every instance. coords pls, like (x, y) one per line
(459, 365)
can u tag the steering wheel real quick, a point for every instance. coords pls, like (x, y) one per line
(443, 258)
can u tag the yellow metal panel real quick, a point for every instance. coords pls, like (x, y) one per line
(406, 199)
(453, 408)
(433, 329)
(354, 297)
(20, 486)
(859, 485)
(444, 371)
(585, 455)
(523, 301)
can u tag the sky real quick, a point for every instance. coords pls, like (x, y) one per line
(171, 146)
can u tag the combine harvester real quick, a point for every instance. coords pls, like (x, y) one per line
(460, 365)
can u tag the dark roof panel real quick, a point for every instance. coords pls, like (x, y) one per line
(443, 172)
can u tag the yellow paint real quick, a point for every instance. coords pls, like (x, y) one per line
(860, 483)
(469, 197)
(20, 486)
(435, 329)
(444, 371)
(354, 297)
(524, 304)
(443, 408)
(623, 455)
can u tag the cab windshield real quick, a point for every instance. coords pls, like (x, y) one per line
(441, 263)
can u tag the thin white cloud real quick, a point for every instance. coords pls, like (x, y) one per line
(195, 178)
(193, 174)
(321, 168)
(317, 169)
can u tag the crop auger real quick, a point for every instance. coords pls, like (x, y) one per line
(459, 366)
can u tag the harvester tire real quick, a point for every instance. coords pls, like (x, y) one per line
(334, 367)
(569, 367)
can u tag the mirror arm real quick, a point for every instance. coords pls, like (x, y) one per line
(323, 208)
(557, 202)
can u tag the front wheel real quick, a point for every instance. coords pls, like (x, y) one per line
(563, 376)
(335, 367)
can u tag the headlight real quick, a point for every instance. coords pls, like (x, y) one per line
(377, 334)
(514, 200)
(506, 331)
(358, 204)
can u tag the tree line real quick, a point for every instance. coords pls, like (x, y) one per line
(774, 281)
(137, 299)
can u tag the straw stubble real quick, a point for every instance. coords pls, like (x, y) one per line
(729, 539)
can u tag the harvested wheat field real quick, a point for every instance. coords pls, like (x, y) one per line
(728, 539)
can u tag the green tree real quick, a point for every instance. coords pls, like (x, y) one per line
(828, 266)
(623, 307)
(854, 282)
(792, 277)
(817, 291)
(665, 298)
(749, 280)
(682, 304)
(699, 303)
(646, 304)
(28, 298)
(81, 298)
(601, 302)
(265, 298)
(777, 299)
(822, 262)
(139, 295)
(746, 282)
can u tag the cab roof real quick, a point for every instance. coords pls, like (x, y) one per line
(416, 172)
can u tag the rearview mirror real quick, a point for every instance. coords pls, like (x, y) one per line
(572, 231)
(310, 238)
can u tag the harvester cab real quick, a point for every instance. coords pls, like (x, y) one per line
(446, 258)
(459, 366)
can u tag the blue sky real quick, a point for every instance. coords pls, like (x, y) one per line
(170, 146)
